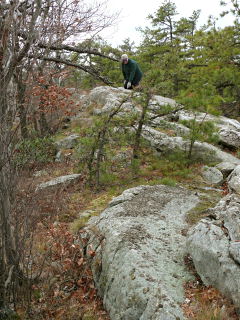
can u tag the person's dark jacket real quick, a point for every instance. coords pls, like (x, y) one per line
(131, 72)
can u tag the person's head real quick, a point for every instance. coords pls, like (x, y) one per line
(124, 59)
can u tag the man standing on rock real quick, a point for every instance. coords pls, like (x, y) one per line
(131, 72)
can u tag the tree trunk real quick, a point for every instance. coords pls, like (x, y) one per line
(44, 128)
(22, 109)
(141, 122)
(9, 261)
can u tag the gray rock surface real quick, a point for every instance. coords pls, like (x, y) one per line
(220, 121)
(202, 150)
(214, 246)
(230, 137)
(177, 128)
(139, 269)
(63, 180)
(103, 94)
(59, 156)
(68, 142)
(226, 168)
(212, 175)
(234, 180)
(158, 102)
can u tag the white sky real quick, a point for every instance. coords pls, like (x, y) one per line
(134, 12)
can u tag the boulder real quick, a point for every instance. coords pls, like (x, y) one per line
(101, 95)
(139, 267)
(59, 181)
(158, 103)
(68, 142)
(229, 137)
(226, 168)
(234, 180)
(212, 175)
(214, 244)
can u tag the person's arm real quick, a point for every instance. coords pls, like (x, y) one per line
(124, 73)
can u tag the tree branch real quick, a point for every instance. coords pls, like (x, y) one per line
(165, 114)
(68, 48)
(87, 69)
(192, 65)
(74, 49)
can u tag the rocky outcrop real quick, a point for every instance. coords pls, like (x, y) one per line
(139, 269)
(102, 95)
(164, 143)
(220, 121)
(60, 181)
(214, 245)
(177, 128)
(228, 129)
(234, 180)
(105, 99)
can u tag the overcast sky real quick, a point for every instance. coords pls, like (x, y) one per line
(134, 12)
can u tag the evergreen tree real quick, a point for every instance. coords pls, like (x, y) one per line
(166, 47)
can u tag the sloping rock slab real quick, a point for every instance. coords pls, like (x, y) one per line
(139, 269)
(220, 121)
(63, 180)
(201, 150)
(214, 245)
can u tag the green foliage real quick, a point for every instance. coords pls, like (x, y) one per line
(201, 130)
(173, 166)
(99, 145)
(35, 150)
(168, 182)
(201, 210)
(127, 47)
(135, 164)
(201, 67)
(78, 224)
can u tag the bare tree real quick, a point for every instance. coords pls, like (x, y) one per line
(13, 16)
(60, 23)
(29, 29)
